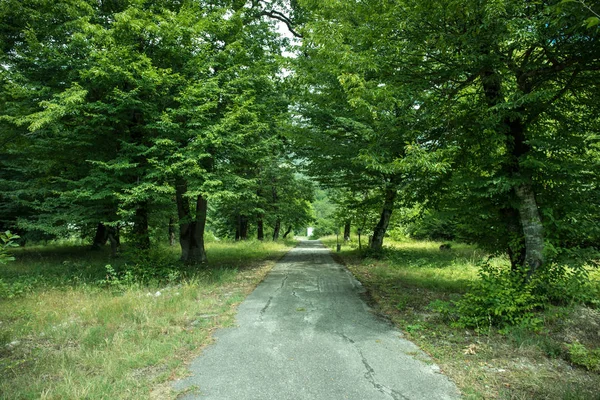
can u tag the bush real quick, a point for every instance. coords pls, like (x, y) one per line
(500, 298)
(563, 285)
(143, 267)
(503, 297)
(7, 240)
(582, 356)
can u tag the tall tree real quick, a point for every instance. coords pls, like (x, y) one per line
(487, 79)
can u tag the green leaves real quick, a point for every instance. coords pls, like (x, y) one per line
(63, 104)
(7, 240)
(592, 22)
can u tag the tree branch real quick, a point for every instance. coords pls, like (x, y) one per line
(589, 8)
(282, 18)
(556, 97)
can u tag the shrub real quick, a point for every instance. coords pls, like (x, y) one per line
(143, 267)
(563, 285)
(582, 356)
(7, 240)
(503, 297)
(500, 298)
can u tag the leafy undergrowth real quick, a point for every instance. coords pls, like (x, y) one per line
(73, 332)
(413, 281)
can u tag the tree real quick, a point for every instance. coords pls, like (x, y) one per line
(485, 81)
(357, 127)
(163, 101)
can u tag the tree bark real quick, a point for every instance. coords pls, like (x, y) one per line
(241, 229)
(347, 231)
(531, 223)
(533, 229)
(386, 213)
(191, 228)
(288, 231)
(260, 228)
(100, 238)
(276, 229)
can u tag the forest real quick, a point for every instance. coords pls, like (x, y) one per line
(136, 125)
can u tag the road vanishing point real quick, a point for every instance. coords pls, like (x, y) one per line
(305, 333)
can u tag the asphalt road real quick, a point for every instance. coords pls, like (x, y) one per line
(305, 333)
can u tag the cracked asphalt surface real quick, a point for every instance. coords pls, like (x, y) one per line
(305, 333)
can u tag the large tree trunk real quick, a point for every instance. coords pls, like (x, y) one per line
(191, 228)
(100, 238)
(386, 213)
(260, 228)
(531, 223)
(533, 230)
(287, 232)
(197, 253)
(141, 234)
(276, 229)
(347, 231)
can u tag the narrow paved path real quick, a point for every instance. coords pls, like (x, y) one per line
(305, 333)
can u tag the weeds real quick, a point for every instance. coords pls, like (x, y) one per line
(88, 326)
(581, 355)
(550, 353)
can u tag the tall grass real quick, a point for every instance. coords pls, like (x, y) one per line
(70, 335)
(412, 282)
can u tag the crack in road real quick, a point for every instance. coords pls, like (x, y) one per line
(370, 373)
(370, 377)
(285, 278)
(306, 334)
(264, 309)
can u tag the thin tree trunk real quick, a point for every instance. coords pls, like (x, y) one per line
(287, 232)
(347, 231)
(386, 213)
(191, 228)
(243, 227)
(276, 229)
(260, 228)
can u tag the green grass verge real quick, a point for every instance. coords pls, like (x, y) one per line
(65, 336)
(412, 277)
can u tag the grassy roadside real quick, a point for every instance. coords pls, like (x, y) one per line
(67, 335)
(412, 277)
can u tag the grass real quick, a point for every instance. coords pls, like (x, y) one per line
(411, 278)
(65, 334)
